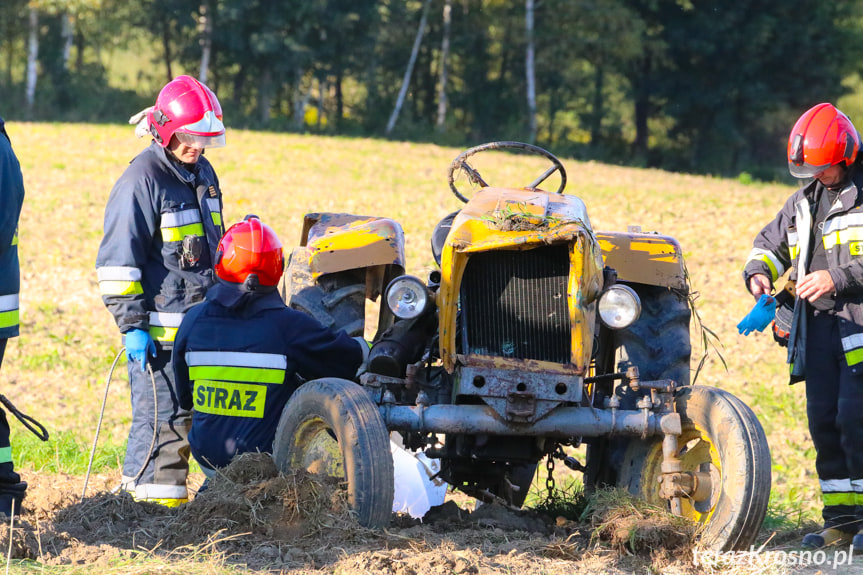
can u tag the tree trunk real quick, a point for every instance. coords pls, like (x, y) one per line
(596, 119)
(444, 57)
(166, 46)
(32, 58)
(529, 71)
(641, 85)
(205, 28)
(68, 34)
(406, 80)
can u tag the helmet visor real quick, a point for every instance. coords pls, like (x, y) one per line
(197, 141)
(806, 170)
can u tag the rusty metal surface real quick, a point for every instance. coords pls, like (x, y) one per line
(644, 258)
(563, 422)
(337, 242)
(518, 390)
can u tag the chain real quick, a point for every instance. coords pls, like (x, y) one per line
(549, 481)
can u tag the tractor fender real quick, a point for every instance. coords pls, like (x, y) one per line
(337, 242)
(644, 258)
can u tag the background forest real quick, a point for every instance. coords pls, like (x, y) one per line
(706, 86)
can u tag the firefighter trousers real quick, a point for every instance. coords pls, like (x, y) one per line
(166, 465)
(834, 406)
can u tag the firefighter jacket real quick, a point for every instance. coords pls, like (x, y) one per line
(163, 223)
(238, 357)
(11, 200)
(785, 244)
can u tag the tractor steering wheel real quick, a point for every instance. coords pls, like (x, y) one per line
(460, 163)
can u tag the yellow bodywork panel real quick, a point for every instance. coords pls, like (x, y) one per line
(644, 258)
(521, 219)
(337, 242)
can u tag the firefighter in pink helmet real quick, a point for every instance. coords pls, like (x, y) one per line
(163, 222)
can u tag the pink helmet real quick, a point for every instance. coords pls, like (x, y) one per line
(188, 109)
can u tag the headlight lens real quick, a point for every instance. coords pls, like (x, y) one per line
(619, 306)
(407, 297)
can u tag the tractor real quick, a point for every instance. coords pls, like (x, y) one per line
(533, 334)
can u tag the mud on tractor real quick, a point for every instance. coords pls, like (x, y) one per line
(534, 333)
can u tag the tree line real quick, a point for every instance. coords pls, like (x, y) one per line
(709, 86)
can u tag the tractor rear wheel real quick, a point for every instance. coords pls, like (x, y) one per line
(337, 300)
(722, 440)
(332, 427)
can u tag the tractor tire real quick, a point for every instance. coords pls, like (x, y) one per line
(336, 300)
(332, 427)
(658, 342)
(721, 436)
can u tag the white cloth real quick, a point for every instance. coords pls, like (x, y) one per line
(415, 490)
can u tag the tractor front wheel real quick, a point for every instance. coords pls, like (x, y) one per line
(723, 442)
(332, 427)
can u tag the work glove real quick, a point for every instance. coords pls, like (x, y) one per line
(760, 317)
(365, 346)
(141, 123)
(138, 345)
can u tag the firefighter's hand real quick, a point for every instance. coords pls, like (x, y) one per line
(760, 284)
(138, 345)
(815, 285)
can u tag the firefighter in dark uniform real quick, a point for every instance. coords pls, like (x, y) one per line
(12, 489)
(163, 222)
(818, 235)
(237, 357)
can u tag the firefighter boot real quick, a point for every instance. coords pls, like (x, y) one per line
(829, 536)
(11, 496)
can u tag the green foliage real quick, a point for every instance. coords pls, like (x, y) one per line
(64, 452)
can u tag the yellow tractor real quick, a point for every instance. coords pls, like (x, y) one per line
(535, 333)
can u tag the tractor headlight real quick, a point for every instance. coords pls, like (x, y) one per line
(619, 306)
(407, 297)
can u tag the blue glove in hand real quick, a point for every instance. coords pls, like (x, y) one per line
(138, 344)
(760, 317)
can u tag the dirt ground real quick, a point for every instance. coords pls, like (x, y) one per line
(267, 523)
(262, 522)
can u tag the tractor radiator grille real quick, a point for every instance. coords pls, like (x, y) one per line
(514, 304)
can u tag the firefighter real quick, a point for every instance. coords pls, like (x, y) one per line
(818, 236)
(12, 489)
(240, 355)
(163, 222)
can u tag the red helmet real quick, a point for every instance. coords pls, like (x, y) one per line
(822, 137)
(250, 253)
(190, 110)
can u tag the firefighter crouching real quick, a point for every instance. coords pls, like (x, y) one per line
(240, 355)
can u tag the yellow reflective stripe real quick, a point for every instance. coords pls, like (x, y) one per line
(226, 398)
(160, 333)
(773, 263)
(177, 234)
(9, 318)
(15, 237)
(217, 218)
(5, 454)
(854, 357)
(841, 498)
(120, 288)
(245, 374)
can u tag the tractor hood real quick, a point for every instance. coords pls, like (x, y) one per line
(493, 214)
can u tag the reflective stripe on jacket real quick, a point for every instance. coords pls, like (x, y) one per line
(237, 358)
(11, 200)
(784, 244)
(154, 205)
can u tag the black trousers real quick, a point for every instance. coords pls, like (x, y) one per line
(7, 468)
(834, 406)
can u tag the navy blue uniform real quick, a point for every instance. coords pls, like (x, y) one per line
(11, 200)
(237, 358)
(147, 283)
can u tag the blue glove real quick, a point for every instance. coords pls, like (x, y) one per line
(138, 344)
(760, 317)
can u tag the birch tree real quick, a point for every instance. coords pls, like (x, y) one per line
(444, 57)
(32, 57)
(529, 71)
(406, 80)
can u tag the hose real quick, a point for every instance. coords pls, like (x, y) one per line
(102, 415)
(34, 426)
